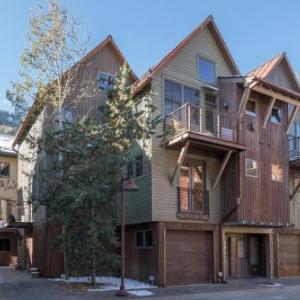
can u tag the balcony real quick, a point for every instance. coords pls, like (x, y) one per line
(205, 126)
(193, 204)
(294, 151)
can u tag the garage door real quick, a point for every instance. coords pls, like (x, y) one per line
(188, 256)
(289, 255)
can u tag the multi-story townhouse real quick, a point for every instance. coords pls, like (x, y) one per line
(214, 197)
(100, 63)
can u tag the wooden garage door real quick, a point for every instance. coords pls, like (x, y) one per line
(289, 255)
(188, 256)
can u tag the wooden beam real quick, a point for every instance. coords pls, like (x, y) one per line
(296, 190)
(244, 100)
(222, 167)
(276, 95)
(269, 111)
(180, 159)
(292, 118)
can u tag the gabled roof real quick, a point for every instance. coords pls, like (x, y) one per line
(207, 23)
(263, 71)
(36, 107)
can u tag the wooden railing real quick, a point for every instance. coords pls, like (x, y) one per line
(204, 120)
(294, 147)
(193, 201)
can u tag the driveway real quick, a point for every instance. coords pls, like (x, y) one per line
(15, 285)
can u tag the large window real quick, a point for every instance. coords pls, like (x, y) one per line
(207, 70)
(143, 239)
(251, 167)
(177, 94)
(276, 117)
(277, 174)
(68, 114)
(4, 169)
(135, 167)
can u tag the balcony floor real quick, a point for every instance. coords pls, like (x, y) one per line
(203, 142)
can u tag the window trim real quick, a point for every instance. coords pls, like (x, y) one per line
(144, 239)
(273, 180)
(249, 175)
(8, 164)
(133, 161)
(249, 113)
(200, 56)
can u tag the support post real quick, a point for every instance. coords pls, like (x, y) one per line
(180, 159)
(222, 167)
(269, 111)
(292, 118)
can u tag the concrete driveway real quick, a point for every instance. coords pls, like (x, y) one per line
(15, 285)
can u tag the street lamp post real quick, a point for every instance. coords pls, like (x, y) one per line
(130, 187)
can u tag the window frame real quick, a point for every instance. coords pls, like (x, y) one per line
(182, 88)
(133, 162)
(199, 57)
(281, 178)
(249, 175)
(68, 107)
(280, 110)
(108, 87)
(250, 113)
(143, 231)
(5, 176)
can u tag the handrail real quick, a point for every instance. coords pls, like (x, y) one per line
(204, 120)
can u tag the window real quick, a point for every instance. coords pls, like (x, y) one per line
(4, 244)
(277, 174)
(276, 115)
(177, 94)
(191, 96)
(173, 96)
(135, 167)
(295, 129)
(68, 113)
(4, 169)
(251, 108)
(105, 81)
(206, 69)
(251, 167)
(143, 239)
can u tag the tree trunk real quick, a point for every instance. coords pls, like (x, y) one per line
(65, 253)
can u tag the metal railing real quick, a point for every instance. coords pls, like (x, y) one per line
(204, 120)
(294, 147)
(193, 201)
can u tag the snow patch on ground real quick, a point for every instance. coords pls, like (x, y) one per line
(141, 293)
(271, 284)
(109, 283)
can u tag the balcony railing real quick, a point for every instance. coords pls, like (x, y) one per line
(193, 201)
(204, 120)
(294, 147)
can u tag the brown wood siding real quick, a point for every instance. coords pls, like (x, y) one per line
(46, 256)
(289, 255)
(188, 257)
(261, 199)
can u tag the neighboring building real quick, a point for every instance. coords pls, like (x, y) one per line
(101, 63)
(214, 193)
(15, 235)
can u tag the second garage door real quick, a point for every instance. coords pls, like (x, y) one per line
(289, 255)
(188, 257)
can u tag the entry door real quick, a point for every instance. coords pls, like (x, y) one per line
(242, 256)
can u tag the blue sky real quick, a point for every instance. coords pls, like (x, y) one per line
(146, 30)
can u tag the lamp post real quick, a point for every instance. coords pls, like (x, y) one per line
(130, 187)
